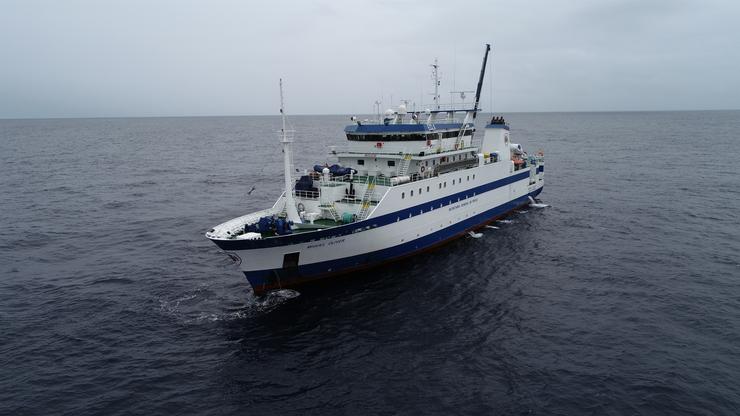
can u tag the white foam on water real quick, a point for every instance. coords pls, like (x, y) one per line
(475, 235)
(493, 227)
(535, 204)
(505, 221)
(197, 307)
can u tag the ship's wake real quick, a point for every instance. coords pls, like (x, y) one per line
(203, 305)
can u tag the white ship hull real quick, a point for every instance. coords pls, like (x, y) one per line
(399, 227)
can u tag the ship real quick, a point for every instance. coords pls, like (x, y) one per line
(408, 181)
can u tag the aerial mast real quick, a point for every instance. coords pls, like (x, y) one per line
(435, 77)
(286, 138)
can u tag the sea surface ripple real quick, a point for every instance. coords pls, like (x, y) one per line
(623, 297)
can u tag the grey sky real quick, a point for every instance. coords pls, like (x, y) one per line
(94, 58)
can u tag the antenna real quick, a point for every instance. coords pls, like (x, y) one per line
(462, 96)
(435, 77)
(282, 110)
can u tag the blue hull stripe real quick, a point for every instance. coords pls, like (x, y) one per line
(269, 279)
(233, 245)
(402, 128)
(498, 126)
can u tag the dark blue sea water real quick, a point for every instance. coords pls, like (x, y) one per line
(621, 298)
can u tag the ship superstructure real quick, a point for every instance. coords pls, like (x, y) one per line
(407, 181)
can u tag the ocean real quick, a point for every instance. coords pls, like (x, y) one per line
(622, 297)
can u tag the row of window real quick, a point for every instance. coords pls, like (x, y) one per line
(361, 162)
(405, 137)
(440, 184)
(441, 204)
(392, 163)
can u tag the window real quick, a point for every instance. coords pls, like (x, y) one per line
(453, 181)
(468, 177)
(440, 185)
(403, 195)
(391, 163)
(474, 176)
(445, 184)
(426, 163)
(360, 162)
(434, 162)
(412, 193)
(419, 191)
(427, 189)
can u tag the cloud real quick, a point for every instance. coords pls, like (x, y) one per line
(137, 58)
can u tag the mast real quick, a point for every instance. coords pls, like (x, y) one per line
(480, 79)
(286, 138)
(435, 76)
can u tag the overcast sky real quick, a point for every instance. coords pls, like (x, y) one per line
(97, 58)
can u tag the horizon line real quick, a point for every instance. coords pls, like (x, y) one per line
(345, 114)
